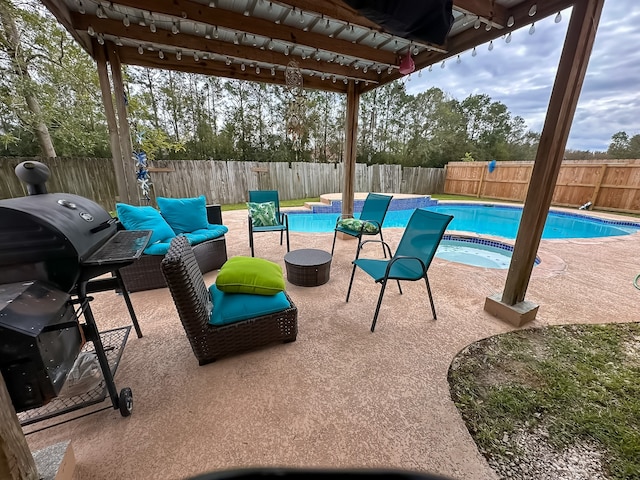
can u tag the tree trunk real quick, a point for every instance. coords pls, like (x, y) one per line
(19, 66)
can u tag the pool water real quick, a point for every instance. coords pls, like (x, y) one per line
(477, 252)
(497, 220)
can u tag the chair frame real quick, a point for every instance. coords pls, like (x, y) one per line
(363, 215)
(193, 304)
(261, 196)
(424, 267)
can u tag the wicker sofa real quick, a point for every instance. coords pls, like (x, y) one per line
(208, 241)
(194, 305)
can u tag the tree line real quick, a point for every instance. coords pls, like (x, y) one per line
(50, 105)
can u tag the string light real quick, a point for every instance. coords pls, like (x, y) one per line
(442, 64)
(126, 22)
(81, 7)
(558, 18)
(152, 26)
(533, 10)
(174, 29)
(215, 32)
(473, 52)
(178, 55)
(228, 61)
(91, 31)
(140, 49)
(477, 23)
(118, 42)
(491, 45)
(196, 58)
(243, 67)
(511, 21)
(458, 60)
(273, 71)
(488, 27)
(532, 29)
(160, 54)
(100, 39)
(286, 50)
(508, 38)
(100, 12)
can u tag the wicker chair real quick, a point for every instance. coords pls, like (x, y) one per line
(193, 303)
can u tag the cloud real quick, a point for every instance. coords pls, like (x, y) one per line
(521, 75)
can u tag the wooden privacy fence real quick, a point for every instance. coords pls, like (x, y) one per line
(609, 185)
(223, 182)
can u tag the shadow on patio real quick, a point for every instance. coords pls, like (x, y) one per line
(339, 396)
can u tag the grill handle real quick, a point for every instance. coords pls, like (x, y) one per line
(103, 225)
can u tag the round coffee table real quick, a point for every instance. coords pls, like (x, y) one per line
(308, 267)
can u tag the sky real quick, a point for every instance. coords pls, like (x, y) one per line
(521, 74)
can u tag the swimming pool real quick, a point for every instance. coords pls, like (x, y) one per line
(484, 219)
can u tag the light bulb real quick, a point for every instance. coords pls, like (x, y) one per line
(458, 60)
(140, 49)
(420, 74)
(301, 17)
(215, 32)
(345, 81)
(442, 64)
(474, 53)
(326, 25)
(243, 67)
(379, 70)
(174, 29)
(365, 69)
(286, 50)
(416, 51)
(257, 70)
(487, 27)
(126, 21)
(81, 7)
(118, 42)
(273, 71)
(228, 61)
(409, 78)
(533, 10)
(152, 26)
(100, 39)
(390, 70)
(477, 23)
(91, 31)
(236, 39)
(511, 21)
(161, 54)
(430, 68)
(491, 45)
(508, 38)
(196, 57)
(100, 12)
(178, 55)
(558, 18)
(532, 29)
(333, 79)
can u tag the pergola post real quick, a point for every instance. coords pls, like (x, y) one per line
(511, 306)
(351, 135)
(123, 123)
(112, 125)
(16, 461)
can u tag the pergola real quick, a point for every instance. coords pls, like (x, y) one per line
(350, 47)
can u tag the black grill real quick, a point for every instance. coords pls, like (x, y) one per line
(53, 246)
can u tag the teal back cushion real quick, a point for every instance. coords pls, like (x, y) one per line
(234, 307)
(145, 218)
(184, 215)
(253, 275)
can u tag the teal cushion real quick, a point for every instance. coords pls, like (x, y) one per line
(199, 236)
(262, 214)
(159, 248)
(250, 275)
(184, 215)
(234, 307)
(355, 225)
(145, 218)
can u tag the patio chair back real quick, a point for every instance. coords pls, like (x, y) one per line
(375, 208)
(263, 196)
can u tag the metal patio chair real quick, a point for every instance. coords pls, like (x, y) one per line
(369, 222)
(280, 223)
(413, 256)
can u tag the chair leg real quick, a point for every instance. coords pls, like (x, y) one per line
(384, 252)
(287, 238)
(433, 307)
(399, 288)
(281, 233)
(375, 315)
(353, 272)
(335, 233)
(251, 238)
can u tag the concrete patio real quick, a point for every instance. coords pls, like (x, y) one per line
(339, 396)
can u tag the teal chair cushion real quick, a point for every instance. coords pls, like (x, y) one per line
(235, 307)
(202, 235)
(356, 225)
(184, 215)
(262, 214)
(145, 218)
(252, 275)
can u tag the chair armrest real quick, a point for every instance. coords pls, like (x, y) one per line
(403, 258)
(384, 245)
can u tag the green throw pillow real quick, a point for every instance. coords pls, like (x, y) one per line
(262, 214)
(355, 225)
(242, 274)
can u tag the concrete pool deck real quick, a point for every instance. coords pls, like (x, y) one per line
(339, 396)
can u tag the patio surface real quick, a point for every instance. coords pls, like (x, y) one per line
(339, 396)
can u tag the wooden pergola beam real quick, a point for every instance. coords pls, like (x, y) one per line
(572, 68)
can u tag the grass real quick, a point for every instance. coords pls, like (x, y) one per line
(580, 383)
(283, 203)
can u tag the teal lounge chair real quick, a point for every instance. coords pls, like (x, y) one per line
(258, 223)
(412, 258)
(370, 221)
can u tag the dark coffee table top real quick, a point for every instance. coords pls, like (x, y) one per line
(307, 257)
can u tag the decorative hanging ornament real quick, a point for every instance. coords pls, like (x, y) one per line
(406, 64)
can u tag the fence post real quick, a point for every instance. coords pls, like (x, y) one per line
(596, 190)
(481, 180)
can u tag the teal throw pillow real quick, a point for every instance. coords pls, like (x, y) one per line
(355, 225)
(184, 215)
(250, 275)
(145, 218)
(235, 307)
(262, 214)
